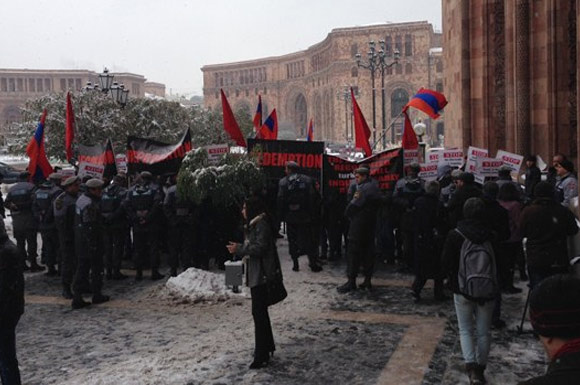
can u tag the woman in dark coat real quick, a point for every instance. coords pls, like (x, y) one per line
(263, 264)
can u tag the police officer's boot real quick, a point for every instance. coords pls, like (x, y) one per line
(366, 285)
(78, 302)
(100, 298)
(314, 264)
(350, 285)
(155, 275)
(295, 265)
(34, 267)
(66, 292)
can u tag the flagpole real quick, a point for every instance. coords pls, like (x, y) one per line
(387, 130)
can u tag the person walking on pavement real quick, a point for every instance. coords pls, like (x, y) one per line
(64, 216)
(19, 202)
(11, 307)
(361, 211)
(296, 205)
(89, 244)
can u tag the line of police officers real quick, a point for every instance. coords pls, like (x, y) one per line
(85, 229)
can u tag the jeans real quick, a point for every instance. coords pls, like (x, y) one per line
(474, 321)
(9, 372)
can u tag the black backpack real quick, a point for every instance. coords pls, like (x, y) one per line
(298, 190)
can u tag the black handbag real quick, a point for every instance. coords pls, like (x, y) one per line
(276, 292)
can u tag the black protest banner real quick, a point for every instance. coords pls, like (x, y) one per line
(385, 167)
(101, 155)
(273, 155)
(156, 157)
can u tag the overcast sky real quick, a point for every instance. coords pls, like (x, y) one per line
(168, 41)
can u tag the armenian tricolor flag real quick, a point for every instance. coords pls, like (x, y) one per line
(38, 165)
(428, 101)
(269, 129)
(310, 134)
(258, 115)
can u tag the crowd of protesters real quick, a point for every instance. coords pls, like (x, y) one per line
(435, 229)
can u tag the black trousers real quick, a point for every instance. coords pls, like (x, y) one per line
(89, 264)
(262, 327)
(360, 253)
(181, 240)
(146, 244)
(9, 372)
(419, 284)
(114, 239)
(50, 247)
(68, 261)
(27, 244)
(301, 240)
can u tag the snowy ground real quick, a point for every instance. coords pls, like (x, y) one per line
(148, 335)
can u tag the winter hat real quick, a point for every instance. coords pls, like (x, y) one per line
(567, 165)
(544, 190)
(555, 307)
(490, 190)
(70, 181)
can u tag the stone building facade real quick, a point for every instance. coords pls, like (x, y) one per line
(314, 83)
(511, 75)
(19, 85)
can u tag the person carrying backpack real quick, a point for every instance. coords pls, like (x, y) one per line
(468, 260)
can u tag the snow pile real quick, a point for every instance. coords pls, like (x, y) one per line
(197, 285)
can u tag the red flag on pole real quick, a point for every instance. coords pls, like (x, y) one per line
(70, 128)
(38, 165)
(409, 141)
(362, 131)
(230, 124)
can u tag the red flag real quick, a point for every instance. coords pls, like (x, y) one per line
(362, 131)
(409, 141)
(258, 115)
(310, 134)
(269, 129)
(70, 128)
(230, 124)
(38, 165)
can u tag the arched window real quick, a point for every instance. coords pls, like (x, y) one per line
(300, 114)
(408, 68)
(399, 98)
(388, 46)
(354, 72)
(399, 44)
(439, 66)
(398, 68)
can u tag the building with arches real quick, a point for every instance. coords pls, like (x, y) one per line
(314, 83)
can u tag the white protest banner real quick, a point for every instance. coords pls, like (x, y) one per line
(121, 161)
(216, 152)
(453, 158)
(433, 156)
(513, 161)
(479, 179)
(67, 173)
(92, 170)
(428, 172)
(473, 153)
(488, 166)
(411, 156)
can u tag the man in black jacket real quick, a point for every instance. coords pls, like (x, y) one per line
(361, 234)
(555, 317)
(11, 307)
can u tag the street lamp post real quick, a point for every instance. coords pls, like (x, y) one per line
(378, 61)
(118, 92)
(420, 128)
(345, 96)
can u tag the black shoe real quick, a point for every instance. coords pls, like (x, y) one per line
(260, 363)
(295, 266)
(523, 276)
(35, 267)
(174, 272)
(100, 298)
(67, 293)
(366, 285)
(79, 303)
(155, 275)
(316, 268)
(347, 287)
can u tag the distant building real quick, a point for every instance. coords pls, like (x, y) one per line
(153, 88)
(19, 85)
(312, 83)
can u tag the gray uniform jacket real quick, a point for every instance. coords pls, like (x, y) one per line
(566, 189)
(64, 215)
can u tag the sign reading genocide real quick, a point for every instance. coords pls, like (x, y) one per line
(273, 155)
(513, 161)
(385, 167)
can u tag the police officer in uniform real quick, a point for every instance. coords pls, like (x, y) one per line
(115, 226)
(296, 205)
(19, 201)
(181, 217)
(143, 205)
(64, 215)
(566, 183)
(89, 244)
(361, 211)
(43, 199)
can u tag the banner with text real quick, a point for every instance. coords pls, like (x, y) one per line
(488, 167)
(90, 169)
(100, 155)
(216, 152)
(513, 161)
(473, 153)
(156, 157)
(428, 171)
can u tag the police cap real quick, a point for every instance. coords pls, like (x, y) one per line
(55, 176)
(94, 183)
(70, 181)
(362, 171)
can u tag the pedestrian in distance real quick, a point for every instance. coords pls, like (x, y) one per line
(555, 318)
(263, 265)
